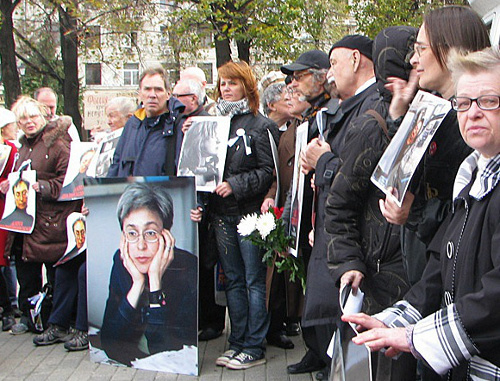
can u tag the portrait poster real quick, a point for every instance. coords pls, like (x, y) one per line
(203, 151)
(20, 203)
(106, 147)
(401, 158)
(80, 157)
(156, 328)
(297, 189)
(4, 156)
(76, 229)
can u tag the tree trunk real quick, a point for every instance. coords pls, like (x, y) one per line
(243, 50)
(69, 51)
(10, 76)
(222, 51)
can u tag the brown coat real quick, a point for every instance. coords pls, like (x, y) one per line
(286, 160)
(286, 157)
(49, 154)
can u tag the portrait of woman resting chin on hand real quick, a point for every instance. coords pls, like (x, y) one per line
(151, 306)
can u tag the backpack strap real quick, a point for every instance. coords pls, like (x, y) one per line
(381, 121)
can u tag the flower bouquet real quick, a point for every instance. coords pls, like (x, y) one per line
(268, 232)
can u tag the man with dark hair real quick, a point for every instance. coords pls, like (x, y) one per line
(19, 217)
(149, 145)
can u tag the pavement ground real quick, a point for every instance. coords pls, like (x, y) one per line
(21, 360)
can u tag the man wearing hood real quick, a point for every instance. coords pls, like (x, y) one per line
(150, 142)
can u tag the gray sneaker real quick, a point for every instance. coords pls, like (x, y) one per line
(79, 341)
(19, 329)
(53, 334)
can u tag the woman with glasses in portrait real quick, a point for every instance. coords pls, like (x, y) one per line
(151, 306)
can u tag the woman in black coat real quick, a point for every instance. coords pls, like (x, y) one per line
(449, 319)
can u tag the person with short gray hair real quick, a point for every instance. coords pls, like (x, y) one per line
(118, 111)
(274, 104)
(190, 93)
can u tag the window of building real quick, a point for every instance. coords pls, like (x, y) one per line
(129, 40)
(93, 74)
(205, 37)
(209, 71)
(131, 74)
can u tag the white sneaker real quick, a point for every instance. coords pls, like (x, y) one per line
(224, 358)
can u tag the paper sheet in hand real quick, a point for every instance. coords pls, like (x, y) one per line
(350, 362)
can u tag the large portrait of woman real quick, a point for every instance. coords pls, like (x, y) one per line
(142, 249)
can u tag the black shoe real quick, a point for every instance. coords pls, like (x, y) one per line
(309, 363)
(280, 340)
(323, 374)
(8, 322)
(209, 334)
(292, 329)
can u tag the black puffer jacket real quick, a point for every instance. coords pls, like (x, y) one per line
(248, 171)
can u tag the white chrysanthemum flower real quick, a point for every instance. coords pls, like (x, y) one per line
(247, 225)
(265, 224)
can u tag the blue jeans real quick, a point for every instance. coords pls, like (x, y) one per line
(245, 286)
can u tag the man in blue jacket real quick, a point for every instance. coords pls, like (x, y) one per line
(148, 145)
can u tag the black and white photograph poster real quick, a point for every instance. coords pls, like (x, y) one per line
(20, 203)
(142, 258)
(203, 151)
(106, 147)
(297, 189)
(401, 158)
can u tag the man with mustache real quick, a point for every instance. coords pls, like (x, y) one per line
(150, 142)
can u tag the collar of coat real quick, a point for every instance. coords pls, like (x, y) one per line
(486, 178)
(55, 129)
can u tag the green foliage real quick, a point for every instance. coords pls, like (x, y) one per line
(374, 15)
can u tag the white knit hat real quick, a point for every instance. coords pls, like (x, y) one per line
(6, 117)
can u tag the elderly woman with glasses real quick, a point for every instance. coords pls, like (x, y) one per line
(44, 148)
(152, 291)
(450, 318)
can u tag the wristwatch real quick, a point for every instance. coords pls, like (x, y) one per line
(157, 298)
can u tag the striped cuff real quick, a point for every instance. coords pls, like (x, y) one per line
(400, 314)
(442, 341)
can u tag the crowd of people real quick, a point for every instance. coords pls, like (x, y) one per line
(428, 267)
